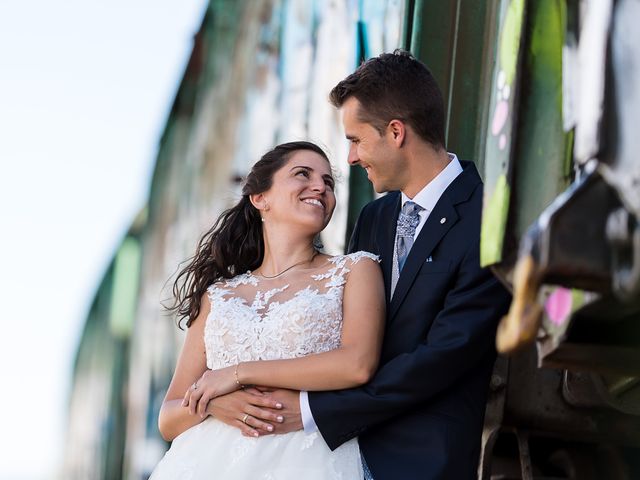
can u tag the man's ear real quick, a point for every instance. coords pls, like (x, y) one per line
(397, 131)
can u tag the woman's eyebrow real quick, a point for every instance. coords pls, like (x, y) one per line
(326, 175)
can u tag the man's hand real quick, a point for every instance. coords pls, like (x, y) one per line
(250, 410)
(290, 401)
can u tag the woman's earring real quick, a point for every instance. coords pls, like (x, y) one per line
(262, 218)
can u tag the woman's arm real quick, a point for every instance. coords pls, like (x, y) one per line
(174, 418)
(354, 362)
(349, 365)
(176, 415)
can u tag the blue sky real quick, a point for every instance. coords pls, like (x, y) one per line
(85, 88)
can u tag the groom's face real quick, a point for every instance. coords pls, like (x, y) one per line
(369, 149)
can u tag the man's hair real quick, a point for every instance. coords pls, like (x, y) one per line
(395, 86)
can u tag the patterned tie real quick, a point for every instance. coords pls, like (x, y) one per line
(408, 220)
(365, 469)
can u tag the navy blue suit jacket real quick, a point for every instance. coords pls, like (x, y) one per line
(421, 415)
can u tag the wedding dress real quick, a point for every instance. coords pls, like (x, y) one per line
(254, 318)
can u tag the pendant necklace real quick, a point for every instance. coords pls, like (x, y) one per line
(315, 252)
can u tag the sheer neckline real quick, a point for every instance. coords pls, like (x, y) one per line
(307, 271)
(254, 320)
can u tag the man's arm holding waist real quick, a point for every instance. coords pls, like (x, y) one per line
(461, 335)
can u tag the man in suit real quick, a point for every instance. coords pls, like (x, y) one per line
(421, 415)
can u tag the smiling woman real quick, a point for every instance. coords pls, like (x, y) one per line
(270, 205)
(303, 201)
(264, 307)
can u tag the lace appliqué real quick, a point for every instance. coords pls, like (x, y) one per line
(241, 447)
(309, 440)
(242, 279)
(337, 273)
(279, 322)
(262, 299)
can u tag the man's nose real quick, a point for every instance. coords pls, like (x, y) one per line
(353, 159)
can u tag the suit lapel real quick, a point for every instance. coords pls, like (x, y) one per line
(430, 235)
(432, 232)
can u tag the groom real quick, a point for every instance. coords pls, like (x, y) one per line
(421, 415)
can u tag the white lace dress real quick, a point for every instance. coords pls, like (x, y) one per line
(254, 318)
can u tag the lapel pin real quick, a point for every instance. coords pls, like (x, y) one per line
(443, 219)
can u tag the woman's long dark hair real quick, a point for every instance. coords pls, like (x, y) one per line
(234, 244)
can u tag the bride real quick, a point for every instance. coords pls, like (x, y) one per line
(264, 307)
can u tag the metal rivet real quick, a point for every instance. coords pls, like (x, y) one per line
(443, 219)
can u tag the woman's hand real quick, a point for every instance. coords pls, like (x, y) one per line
(253, 412)
(211, 384)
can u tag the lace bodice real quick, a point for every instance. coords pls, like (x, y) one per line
(254, 318)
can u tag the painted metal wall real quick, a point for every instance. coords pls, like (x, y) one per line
(539, 94)
(97, 414)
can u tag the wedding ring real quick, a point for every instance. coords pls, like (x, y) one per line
(244, 419)
(194, 386)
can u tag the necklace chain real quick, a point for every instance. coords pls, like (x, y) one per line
(315, 252)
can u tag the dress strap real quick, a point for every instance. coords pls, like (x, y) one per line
(225, 286)
(340, 268)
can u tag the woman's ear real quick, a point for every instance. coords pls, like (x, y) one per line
(258, 201)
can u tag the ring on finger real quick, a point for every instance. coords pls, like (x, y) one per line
(244, 419)
(194, 386)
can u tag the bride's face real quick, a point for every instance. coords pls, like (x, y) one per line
(301, 192)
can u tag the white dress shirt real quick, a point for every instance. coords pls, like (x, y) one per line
(427, 199)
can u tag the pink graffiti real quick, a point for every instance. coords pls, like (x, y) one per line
(558, 305)
(499, 117)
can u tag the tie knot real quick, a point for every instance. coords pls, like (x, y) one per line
(408, 219)
(411, 208)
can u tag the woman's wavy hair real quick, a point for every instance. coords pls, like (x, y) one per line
(234, 244)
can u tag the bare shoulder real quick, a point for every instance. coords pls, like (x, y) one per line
(362, 257)
(364, 279)
(363, 265)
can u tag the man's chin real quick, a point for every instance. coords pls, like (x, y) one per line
(379, 188)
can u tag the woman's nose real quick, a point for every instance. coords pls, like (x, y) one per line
(318, 185)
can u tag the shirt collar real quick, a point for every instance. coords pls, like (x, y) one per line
(432, 191)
